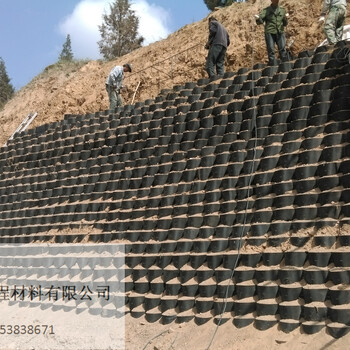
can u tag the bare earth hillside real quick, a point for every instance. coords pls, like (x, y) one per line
(80, 89)
(180, 58)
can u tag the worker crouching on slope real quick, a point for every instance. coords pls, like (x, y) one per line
(333, 27)
(114, 84)
(275, 18)
(217, 44)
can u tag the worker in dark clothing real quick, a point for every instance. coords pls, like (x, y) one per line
(275, 18)
(217, 44)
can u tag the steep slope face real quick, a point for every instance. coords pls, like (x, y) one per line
(175, 60)
(232, 195)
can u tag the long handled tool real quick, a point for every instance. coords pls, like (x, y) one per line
(133, 98)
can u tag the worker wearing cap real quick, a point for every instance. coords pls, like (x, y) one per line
(217, 44)
(275, 18)
(334, 24)
(114, 84)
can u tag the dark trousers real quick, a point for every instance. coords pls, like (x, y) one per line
(280, 41)
(216, 59)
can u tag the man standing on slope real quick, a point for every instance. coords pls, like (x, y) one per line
(275, 18)
(217, 44)
(114, 84)
(333, 27)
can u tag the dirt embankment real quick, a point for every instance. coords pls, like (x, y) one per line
(60, 90)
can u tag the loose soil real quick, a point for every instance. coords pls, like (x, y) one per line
(75, 89)
(80, 89)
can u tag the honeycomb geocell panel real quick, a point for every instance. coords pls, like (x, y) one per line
(232, 187)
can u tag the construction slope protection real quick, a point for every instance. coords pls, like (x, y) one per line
(75, 89)
(231, 195)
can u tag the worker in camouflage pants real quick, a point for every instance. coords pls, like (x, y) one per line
(336, 13)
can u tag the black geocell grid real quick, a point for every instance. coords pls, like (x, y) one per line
(159, 198)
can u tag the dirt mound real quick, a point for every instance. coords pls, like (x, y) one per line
(152, 336)
(76, 89)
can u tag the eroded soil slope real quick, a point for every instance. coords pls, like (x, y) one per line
(71, 89)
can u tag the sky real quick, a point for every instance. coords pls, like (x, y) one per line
(32, 32)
